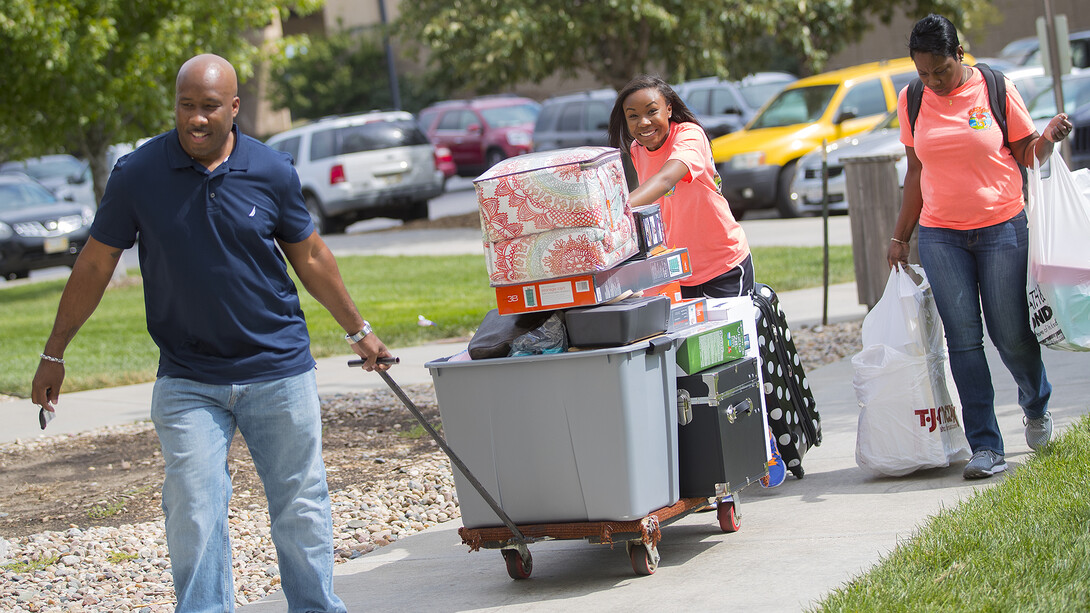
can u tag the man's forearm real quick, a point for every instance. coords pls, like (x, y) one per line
(82, 293)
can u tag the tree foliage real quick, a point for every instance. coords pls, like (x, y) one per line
(491, 44)
(81, 75)
(344, 72)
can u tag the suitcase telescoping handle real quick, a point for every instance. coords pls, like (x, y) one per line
(409, 404)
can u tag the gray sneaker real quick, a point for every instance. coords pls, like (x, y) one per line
(1038, 431)
(984, 463)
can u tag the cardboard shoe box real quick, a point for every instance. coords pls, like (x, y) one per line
(594, 287)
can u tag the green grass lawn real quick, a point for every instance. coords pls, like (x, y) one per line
(113, 347)
(1022, 545)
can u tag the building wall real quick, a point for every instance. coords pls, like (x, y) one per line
(1014, 19)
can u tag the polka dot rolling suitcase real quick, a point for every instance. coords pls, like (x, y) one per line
(792, 413)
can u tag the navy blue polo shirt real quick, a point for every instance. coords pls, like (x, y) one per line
(220, 303)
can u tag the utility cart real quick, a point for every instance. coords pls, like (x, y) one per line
(579, 445)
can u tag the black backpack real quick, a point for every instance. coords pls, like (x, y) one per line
(997, 100)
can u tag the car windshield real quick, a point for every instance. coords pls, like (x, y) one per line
(19, 196)
(759, 93)
(1076, 93)
(505, 116)
(794, 106)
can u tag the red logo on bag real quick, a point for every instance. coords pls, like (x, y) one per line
(945, 416)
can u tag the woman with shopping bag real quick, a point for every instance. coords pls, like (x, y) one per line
(964, 190)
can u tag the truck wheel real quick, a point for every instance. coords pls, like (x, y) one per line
(787, 207)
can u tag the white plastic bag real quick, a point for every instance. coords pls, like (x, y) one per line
(907, 419)
(1058, 284)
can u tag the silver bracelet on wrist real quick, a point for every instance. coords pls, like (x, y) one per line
(50, 358)
(357, 337)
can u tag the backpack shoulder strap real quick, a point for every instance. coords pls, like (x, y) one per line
(915, 98)
(997, 96)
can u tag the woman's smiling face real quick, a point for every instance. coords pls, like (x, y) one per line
(647, 115)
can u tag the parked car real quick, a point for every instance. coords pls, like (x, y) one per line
(38, 230)
(727, 106)
(1028, 80)
(574, 120)
(1076, 91)
(1042, 108)
(1027, 51)
(359, 166)
(1080, 137)
(757, 164)
(806, 188)
(482, 131)
(68, 177)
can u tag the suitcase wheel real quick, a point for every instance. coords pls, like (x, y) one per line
(798, 471)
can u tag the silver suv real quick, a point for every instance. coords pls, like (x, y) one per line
(377, 164)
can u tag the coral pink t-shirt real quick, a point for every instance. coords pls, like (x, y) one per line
(695, 213)
(969, 178)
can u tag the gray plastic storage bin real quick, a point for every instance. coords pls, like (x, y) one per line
(571, 437)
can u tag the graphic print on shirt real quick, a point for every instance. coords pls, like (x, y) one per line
(980, 118)
(715, 175)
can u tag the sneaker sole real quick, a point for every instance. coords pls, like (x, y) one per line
(980, 473)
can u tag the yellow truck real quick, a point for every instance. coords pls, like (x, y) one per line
(757, 163)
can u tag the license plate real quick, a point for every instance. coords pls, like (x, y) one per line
(394, 179)
(56, 245)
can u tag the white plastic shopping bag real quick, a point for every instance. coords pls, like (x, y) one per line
(1058, 284)
(907, 418)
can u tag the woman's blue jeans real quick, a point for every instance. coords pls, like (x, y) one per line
(971, 270)
(281, 423)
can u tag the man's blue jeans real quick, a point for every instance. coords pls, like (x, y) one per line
(985, 268)
(281, 423)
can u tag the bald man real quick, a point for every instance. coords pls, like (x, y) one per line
(211, 207)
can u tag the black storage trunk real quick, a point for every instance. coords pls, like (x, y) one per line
(619, 323)
(726, 440)
(789, 402)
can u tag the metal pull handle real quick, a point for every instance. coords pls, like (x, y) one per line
(734, 411)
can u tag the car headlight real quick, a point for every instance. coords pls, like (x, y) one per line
(5, 231)
(518, 138)
(88, 215)
(747, 161)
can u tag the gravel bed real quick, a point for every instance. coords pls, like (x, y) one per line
(127, 568)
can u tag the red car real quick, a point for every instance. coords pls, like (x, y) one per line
(481, 132)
